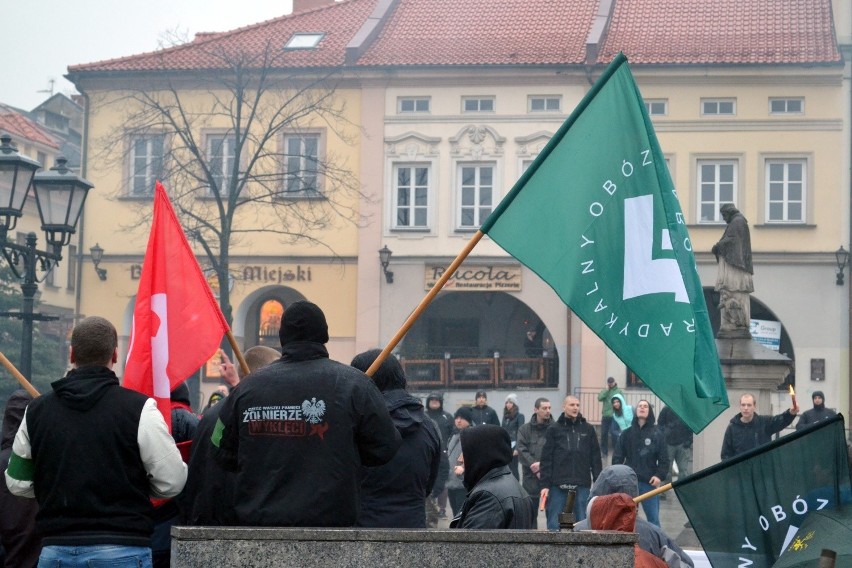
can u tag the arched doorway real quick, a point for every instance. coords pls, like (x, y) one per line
(264, 313)
(479, 340)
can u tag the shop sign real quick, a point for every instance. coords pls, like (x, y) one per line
(478, 278)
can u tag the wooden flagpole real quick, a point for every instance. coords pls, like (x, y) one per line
(652, 493)
(17, 374)
(237, 353)
(424, 303)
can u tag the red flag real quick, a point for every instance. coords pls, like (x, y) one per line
(177, 323)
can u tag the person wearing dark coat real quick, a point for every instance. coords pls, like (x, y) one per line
(18, 533)
(482, 413)
(512, 420)
(816, 414)
(298, 431)
(495, 500)
(570, 459)
(445, 423)
(679, 442)
(748, 430)
(208, 498)
(643, 447)
(531, 438)
(394, 495)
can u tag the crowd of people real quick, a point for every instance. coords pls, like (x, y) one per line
(303, 440)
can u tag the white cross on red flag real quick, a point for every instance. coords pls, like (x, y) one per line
(177, 323)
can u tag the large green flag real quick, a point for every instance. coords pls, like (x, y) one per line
(747, 510)
(597, 217)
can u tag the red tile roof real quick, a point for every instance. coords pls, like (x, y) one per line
(483, 32)
(722, 31)
(338, 22)
(524, 32)
(18, 125)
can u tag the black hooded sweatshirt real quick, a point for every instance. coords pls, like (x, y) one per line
(298, 430)
(20, 539)
(644, 449)
(495, 499)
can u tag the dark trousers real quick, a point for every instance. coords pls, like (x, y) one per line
(456, 497)
(606, 427)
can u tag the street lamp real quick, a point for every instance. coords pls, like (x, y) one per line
(384, 259)
(841, 255)
(60, 195)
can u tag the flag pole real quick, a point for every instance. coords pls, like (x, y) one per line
(652, 493)
(424, 303)
(237, 353)
(17, 374)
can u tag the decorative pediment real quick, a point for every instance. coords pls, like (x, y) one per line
(412, 145)
(532, 145)
(477, 142)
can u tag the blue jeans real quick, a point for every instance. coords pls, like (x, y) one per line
(556, 499)
(650, 506)
(95, 556)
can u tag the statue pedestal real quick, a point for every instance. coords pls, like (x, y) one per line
(748, 367)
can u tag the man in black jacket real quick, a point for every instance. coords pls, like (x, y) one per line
(298, 431)
(816, 414)
(531, 437)
(643, 447)
(482, 413)
(570, 459)
(393, 495)
(678, 441)
(445, 423)
(495, 499)
(748, 430)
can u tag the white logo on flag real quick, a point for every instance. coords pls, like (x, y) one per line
(644, 274)
(160, 347)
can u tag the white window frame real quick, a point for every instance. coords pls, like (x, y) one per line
(416, 101)
(303, 165)
(304, 41)
(221, 171)
(786, 102)
(480, 212)
(707, 104)
(412, 207)
(785, 184)
(146, 169)
(717, 200)
(651, 103)
(478, 103)
(546, 100)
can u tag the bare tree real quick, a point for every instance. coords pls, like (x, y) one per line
(241, 151)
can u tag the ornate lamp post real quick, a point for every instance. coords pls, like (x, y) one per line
(60, 195)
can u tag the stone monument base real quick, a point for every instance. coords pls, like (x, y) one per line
(247, 547)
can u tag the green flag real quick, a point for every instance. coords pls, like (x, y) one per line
(597, 217)
(747, 510)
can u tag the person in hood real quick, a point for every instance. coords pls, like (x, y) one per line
(622, 417)
(617, 512)
(393, 495)
(531, 438)
(816, 414)
(495, 500)
(622, 479)
(18, 533)
(445, 423)
(570, 460)
(297, 432)
(643, 447)
(208, 498)
(748, 430)
(93, 454)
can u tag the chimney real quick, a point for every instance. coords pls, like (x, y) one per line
(305, 5)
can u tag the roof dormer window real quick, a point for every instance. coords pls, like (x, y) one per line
(304, 41)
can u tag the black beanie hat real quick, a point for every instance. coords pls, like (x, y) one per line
(484, 447)
(389, 375)
(819, 394)
(466, 413)
(180, 394)
(303, 321)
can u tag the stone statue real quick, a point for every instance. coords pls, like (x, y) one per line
(734, 278)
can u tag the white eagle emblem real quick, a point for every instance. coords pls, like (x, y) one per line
(313, 410)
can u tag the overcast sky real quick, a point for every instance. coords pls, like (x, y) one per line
(41, 38)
